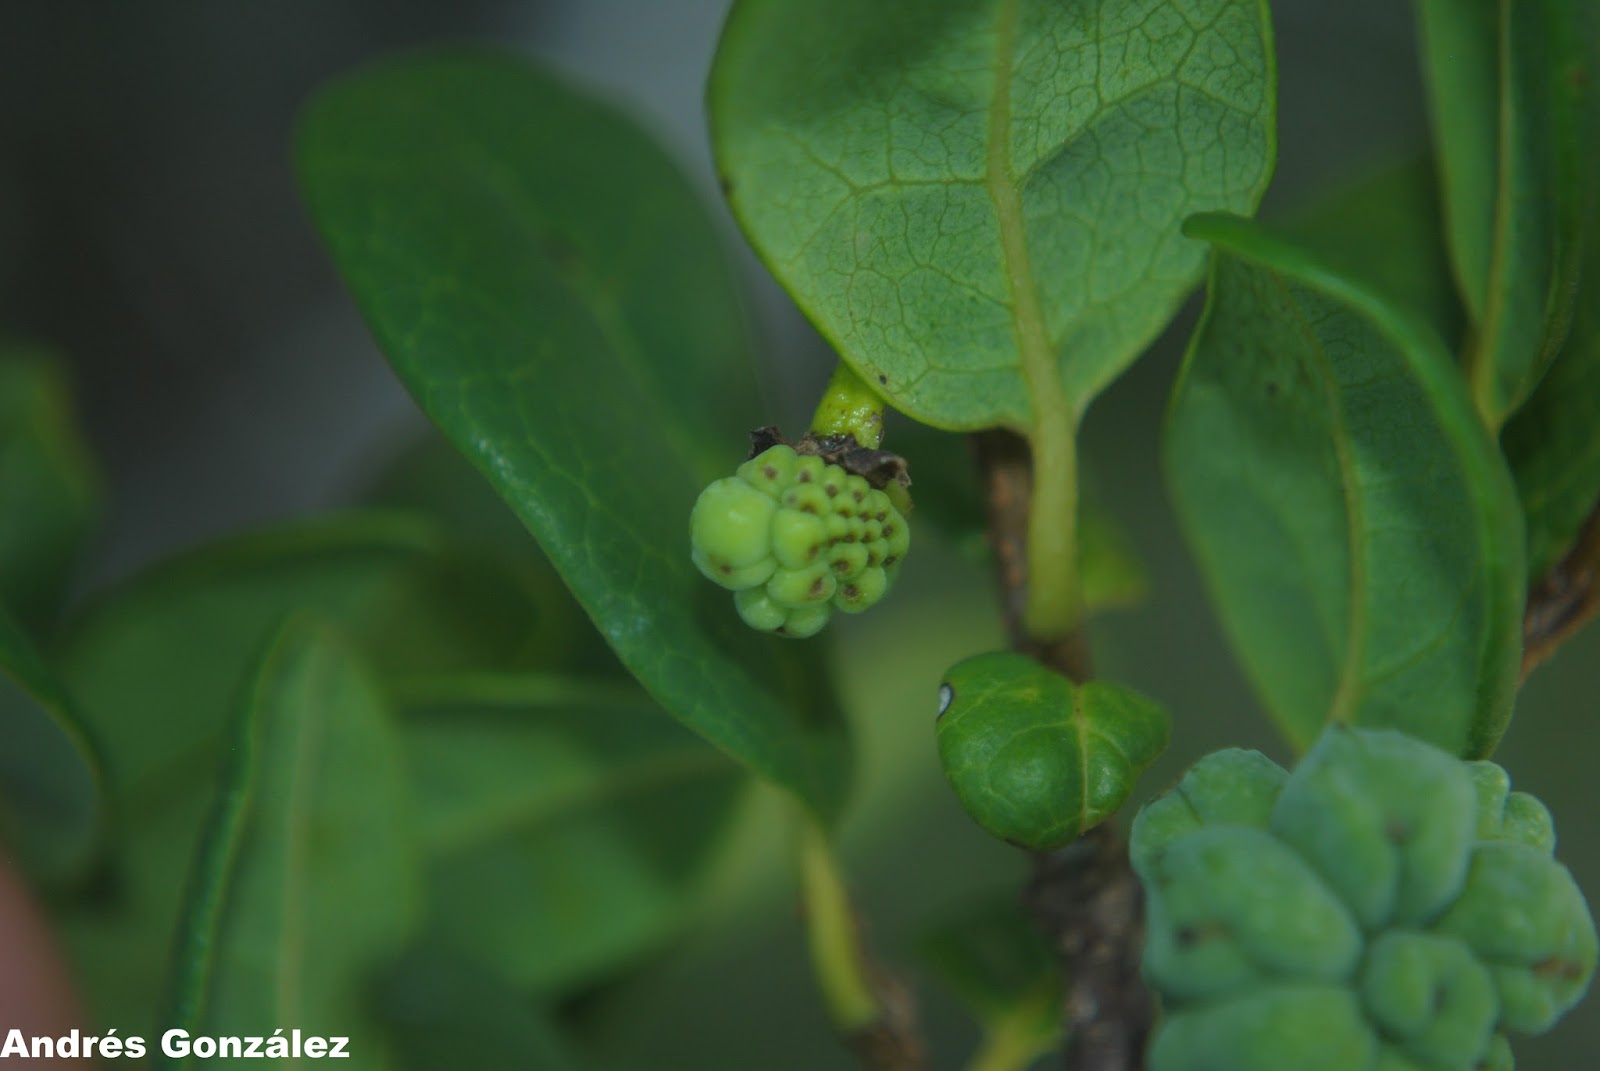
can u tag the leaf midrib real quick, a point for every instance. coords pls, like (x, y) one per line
(1027, 316)
(1051, 605)
(1347, 692)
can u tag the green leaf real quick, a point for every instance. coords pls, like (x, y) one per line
(1507, 83)
(978, 202)
(1003, 970)
(443, 1012)
(1553, 446)
(157, 664)
(550, 290)
(567, 823)
(48, 485)
(51, 810)
(1384, 229)
(1036, 759)
(431, 478)
(1355, 523)
(306, 879)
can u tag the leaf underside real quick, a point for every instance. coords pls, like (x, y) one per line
(978, 202)
(1356, 525)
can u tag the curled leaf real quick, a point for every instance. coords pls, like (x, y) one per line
(1036, 759)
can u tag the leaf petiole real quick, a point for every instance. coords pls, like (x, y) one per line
(849, 407)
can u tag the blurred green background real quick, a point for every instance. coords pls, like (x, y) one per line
(149, 231)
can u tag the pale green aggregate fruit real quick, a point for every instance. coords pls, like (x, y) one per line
(1415, 886)
(796, 538)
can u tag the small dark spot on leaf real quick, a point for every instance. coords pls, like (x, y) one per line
(725, 569)
(727, 191)
(883, 379)
(1272, 389)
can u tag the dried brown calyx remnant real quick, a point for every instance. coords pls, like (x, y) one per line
(880, 468)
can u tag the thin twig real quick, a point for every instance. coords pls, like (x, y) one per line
(871, 1009)
(1085, 896)
(1564, 599)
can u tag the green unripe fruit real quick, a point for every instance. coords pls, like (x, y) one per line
(1463, 924)
(771, 471)
(1035, 759)
(748, 576)
(805, 622)
(798, 539)
(897, 540)
(759, 611)
(730, 525)
(798, 588)
(788, 532)
(1507, 815)
(808, 470)
(862, 591)
(808, 498)
(1431, 995)
(847, 560)
(1303, 1027)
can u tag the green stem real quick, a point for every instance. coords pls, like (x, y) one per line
(1052, 610)
(836, 954)
(849, 407)
(1052, 606)
(1014, 1043)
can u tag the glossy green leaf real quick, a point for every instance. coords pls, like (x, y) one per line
(307, 878)
(1507, 82)
(48, 485)
(945, 487)
(51, 808)
(1036, 759)
(550, 290)
(1355, 524)
(1385, 230)
(158, 666)
(566, 823)
(430, 477)
(978, 202)
(1004, 971)
(443, 1012)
